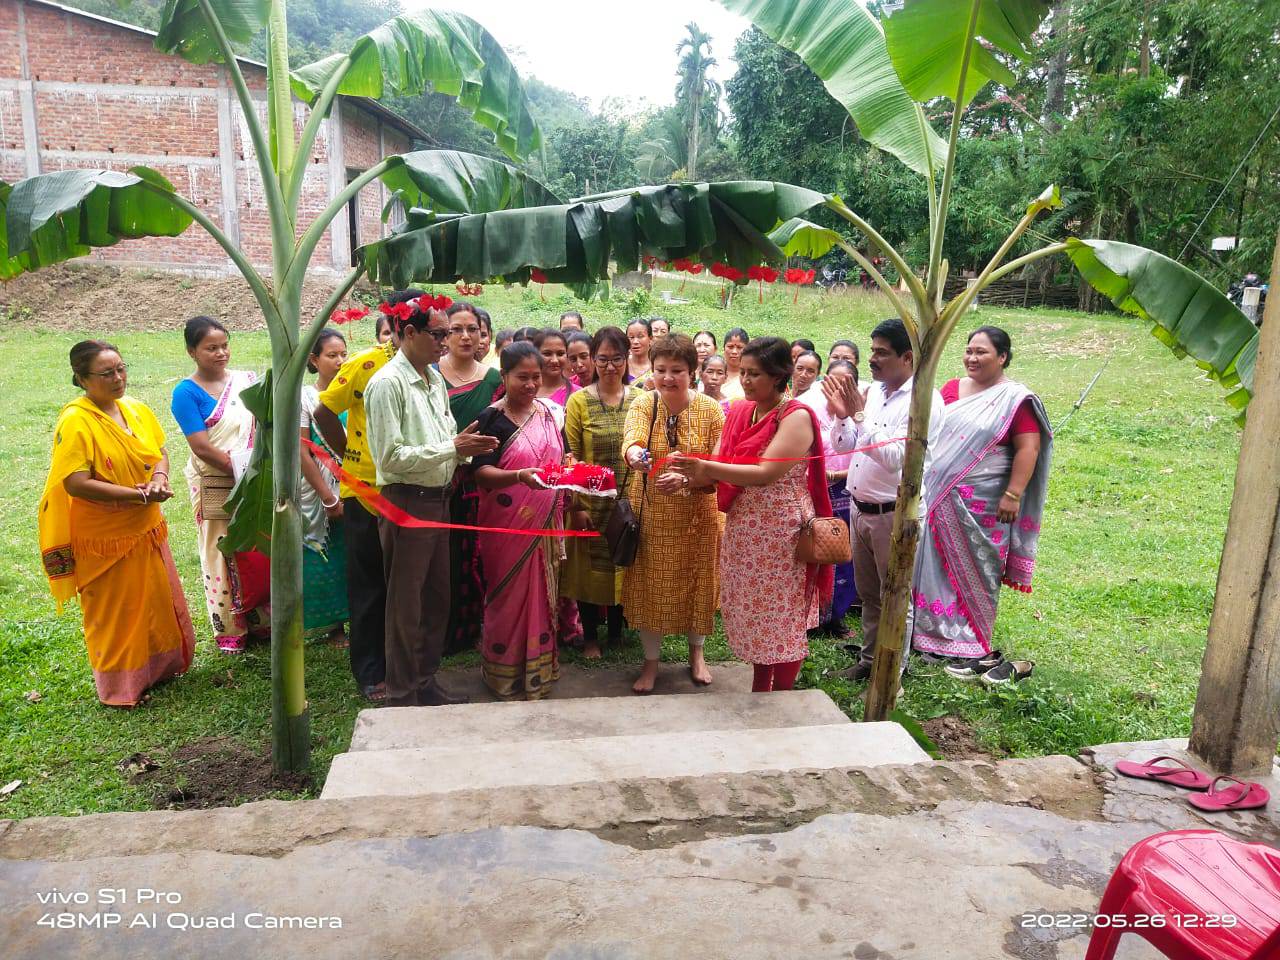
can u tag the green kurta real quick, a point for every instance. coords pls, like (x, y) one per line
(594, 431)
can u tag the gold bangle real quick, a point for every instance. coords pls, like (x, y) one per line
(1013, 496)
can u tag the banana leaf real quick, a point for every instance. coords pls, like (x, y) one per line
(1186, 312)
(440, 51)
(577, 242)
(843, 43)
(927, 41)
(450, 181)
(59, 216)
(185, 31)
(804, 238)
(251, 502)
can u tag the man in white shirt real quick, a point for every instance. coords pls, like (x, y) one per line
(874, 475)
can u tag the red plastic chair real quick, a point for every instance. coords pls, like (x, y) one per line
(1193, 875)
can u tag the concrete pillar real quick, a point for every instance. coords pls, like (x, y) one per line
(228, 159)
(969, 284)
(27, 99)
(1236, 724)
(339, 229)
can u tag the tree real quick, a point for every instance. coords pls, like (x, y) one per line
(882, 75)
(57, 216)
(697, 94)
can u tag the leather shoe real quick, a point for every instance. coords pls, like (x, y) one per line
(431, 694)
(857, 673)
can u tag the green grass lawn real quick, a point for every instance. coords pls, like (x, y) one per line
(1138, 503)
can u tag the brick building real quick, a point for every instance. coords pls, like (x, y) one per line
(79, 90)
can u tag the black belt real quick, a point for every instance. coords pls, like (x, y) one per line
(872, 508)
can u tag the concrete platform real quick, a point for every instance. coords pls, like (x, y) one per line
(936, 861)
(603, 759)
(475, 724)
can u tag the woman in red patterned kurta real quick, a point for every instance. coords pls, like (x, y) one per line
(768, 599)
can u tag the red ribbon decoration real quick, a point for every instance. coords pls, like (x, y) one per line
(752, 461)
(402, 518)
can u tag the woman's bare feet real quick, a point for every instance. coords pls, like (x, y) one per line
(591, 650)
(698, 668)
(648, 677)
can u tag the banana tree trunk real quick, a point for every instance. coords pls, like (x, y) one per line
(891, 638)
(290, 717)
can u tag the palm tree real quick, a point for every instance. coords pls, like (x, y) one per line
(697, 95)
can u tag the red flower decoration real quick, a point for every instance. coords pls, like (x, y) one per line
(469, 290)
(428, 302)
(348, 316)
(695, 268)
(397, 311)
(537, 276)
(682, 265)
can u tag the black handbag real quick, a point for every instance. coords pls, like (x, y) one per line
(622, 532)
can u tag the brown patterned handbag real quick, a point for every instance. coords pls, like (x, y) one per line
(824, 540)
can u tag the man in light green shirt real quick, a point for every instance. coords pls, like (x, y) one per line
(415, 445)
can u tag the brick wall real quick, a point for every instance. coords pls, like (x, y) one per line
(99, 95)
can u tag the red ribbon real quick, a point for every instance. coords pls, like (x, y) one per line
(751, 461)
(402, 518)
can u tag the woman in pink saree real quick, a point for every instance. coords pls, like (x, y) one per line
(524, 620)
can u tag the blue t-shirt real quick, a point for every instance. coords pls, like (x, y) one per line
(191, 406)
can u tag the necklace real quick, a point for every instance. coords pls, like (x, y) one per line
(458, 378)
(529, 416)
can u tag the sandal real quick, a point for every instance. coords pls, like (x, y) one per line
(231, 644)
(1182, 775)
(1010, 671)
(975, 667)
(1242, 795)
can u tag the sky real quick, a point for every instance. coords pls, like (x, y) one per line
(606, 48)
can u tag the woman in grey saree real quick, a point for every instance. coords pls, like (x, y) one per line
(986, 487)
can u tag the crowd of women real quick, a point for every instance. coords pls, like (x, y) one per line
(725, 448)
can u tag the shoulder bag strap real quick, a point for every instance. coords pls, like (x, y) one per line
(644, 483)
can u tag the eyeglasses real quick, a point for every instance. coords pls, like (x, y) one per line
(438, 335)
(112, 374)
(610, 361)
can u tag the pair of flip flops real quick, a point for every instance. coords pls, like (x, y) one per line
(1215, 794)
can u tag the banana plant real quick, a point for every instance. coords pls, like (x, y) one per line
(58, 216)
(882, 73)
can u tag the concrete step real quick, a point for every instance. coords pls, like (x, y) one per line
(522, 762)
(475, 724)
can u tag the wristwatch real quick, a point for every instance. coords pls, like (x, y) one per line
(860, 416)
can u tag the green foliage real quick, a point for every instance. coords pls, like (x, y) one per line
(843, 43)
(58, 216)
(595, 155)
(251, 501)
(184, 30)
(930, 40)
(1138, 159)
(582, 242)
(444, 51)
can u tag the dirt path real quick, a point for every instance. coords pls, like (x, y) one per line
(102, 298)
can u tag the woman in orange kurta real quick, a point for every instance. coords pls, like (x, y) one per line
(103, 536)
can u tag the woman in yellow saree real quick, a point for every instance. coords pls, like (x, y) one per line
(102, 533)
